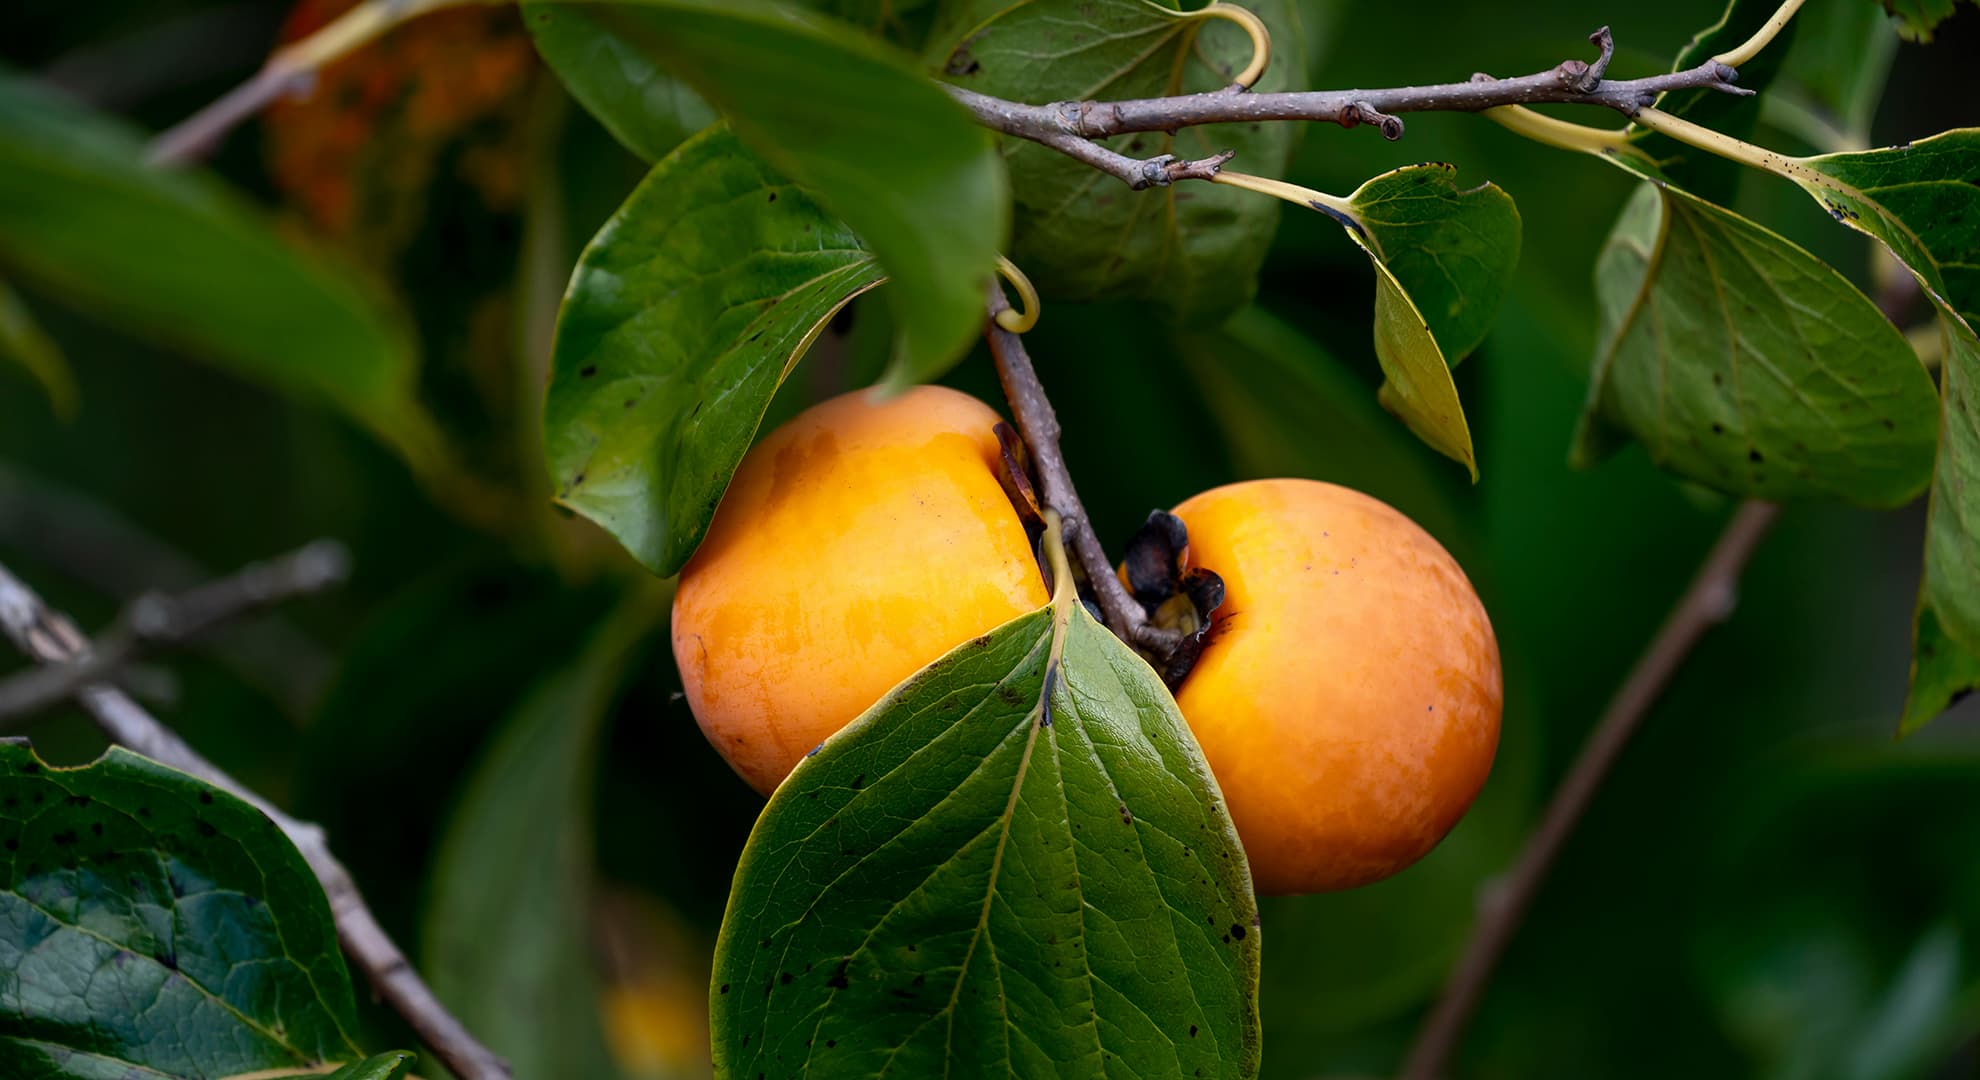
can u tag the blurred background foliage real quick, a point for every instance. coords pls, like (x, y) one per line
(488, 719)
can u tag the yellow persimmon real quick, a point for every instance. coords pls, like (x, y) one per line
(856, 544)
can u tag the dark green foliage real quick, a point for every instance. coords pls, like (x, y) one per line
(151, 922)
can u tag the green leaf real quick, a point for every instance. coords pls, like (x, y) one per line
(1082, 235)
(1482, 228)
(1943, 672)
(1921, 200)
(1945, 659)
(389, 1066)
(179, 257)
(151, 924)
(516, 868)
(1418, 389)
(1017, 863)
(645, 108)
(1746, 364)
(1452, 251)
(683, 317)
(827, 107)
(23, 341)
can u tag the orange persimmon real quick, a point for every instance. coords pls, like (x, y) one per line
(855, 545)
(1347, 696)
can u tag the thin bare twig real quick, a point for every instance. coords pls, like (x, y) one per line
(1708, 602)
(79, 537)
(1069, 126)
(1032, 411)
(49, 637)
(290, 70)
(154, 621)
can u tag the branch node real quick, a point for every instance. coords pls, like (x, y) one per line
(1581, 76)
(1361, 112)
(1605, 44)
(1070, 116)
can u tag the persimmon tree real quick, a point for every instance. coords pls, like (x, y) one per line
(802, 157)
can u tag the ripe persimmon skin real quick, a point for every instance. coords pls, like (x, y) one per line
(855, 545)
(1348, 696)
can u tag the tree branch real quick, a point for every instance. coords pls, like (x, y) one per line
(1069, 126)
(290, 70)
(78, 537)
(1032, 412)
(154, 621)
(50, 638)
(1708, 602)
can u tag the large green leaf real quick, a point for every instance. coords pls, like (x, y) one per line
(642, 106)
(828, 107)
(180, 258)
(1453, 251)
(1921, 200)
(1945, 661)
(153, 925)
(23, 342)
(683, 317)
(390, 1066)
(1016, 864)
(516, 868)
(1081, 234)
(1743, 362)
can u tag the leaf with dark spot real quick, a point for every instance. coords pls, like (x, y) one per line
(1681, 356)
(665, 361)
(228, 943)
(982, 871)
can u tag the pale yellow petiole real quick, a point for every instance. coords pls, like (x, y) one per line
(1292, 193)
(1725, 146)
(1751, 47)
(1025, 315)
(1559, 134)
(1254, 27)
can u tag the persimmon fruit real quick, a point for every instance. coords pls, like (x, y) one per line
(1345, 692)
(1347, 695)
(856, 544)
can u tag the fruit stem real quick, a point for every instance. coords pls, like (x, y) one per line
(1031, 412)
